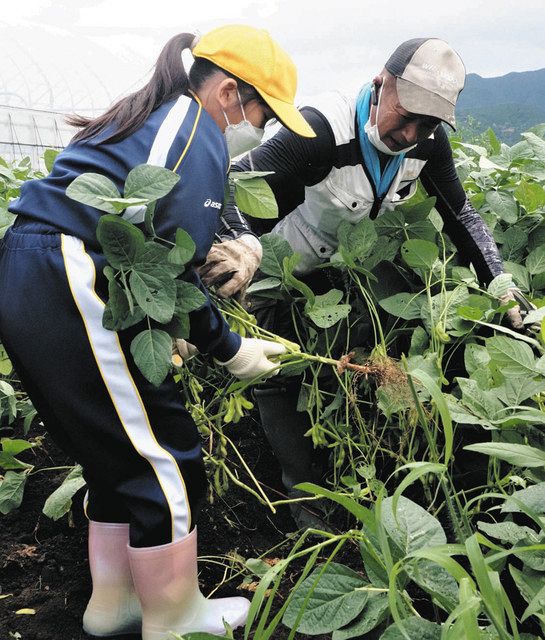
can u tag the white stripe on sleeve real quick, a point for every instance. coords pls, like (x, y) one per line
(159, 149)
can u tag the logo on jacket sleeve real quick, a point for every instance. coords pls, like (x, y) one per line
(212, 203)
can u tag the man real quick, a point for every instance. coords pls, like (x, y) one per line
(368, 153)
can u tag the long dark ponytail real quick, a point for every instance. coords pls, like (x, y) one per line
(169, 80)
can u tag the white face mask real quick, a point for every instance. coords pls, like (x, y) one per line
(374, 138)
(241, 137)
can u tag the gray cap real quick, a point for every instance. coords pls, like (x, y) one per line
(429, 77)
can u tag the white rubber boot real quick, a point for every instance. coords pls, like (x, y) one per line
(114, 608)
(165, 578)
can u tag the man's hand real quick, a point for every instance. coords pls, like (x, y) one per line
(182, 351)
(515, 315)
(232, 264)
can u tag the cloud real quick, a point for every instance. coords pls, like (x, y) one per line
(335, 45)
(165, 13)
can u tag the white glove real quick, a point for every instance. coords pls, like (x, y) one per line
(182, 351)
(251, 360)
(232, 264)
(516, 314)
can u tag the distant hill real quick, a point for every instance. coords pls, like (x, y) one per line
(509, 104)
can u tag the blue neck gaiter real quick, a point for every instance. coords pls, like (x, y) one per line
(382, 181)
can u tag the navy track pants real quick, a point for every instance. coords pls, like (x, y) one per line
(139, 447)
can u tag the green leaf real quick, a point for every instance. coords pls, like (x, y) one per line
(12, 488)
(470, 313)
(535, 262)
(374, 612)
(390, 401)
(188, 297)
(519, 455)
(532, 497)
(419, 254)
(179, 326)
(325, 317)
(433, 388)
(363, 514)
(419, 211)
(151, 350)
(184, 249)
(514, 391)
(411, 527)
(358, 238)
(475, 357)
(532, 591)
(533, 558)
(265, 284)
(481, 402)
(530, 195)
(413, 628)
(495, 144)
(9, 462)
(444, 309)
(289, 263)
(422, 230)
(505, 531)
(6, 220)
(255, 198)
(148, 183)
(520, 274)
(499, 285)
(436, 581)
(337, 598)
(6, 389)
(515, 241)
(14, 447)
(419, 341)
(385, 249)
(249, 175)
(488, 583)
(325, 312)
(417, 470)
(154, 291)
(156, 253)
(535, 315)
(87, 188)
(60, 501)
(120, 204)
(275, 249)
(537, 144)
(257, 566)
(513, 357)
(121, 241)
(404, 305)
(463, 275)
(503, 204)
(390, 222)
(117, 312)
(49, 158)
(149, 216)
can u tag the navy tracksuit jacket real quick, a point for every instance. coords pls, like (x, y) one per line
(139, 447)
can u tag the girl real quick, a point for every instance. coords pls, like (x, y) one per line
(139, 447)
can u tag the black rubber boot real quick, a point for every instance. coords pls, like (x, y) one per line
(285, 428)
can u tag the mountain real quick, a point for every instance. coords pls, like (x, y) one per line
(509, 104)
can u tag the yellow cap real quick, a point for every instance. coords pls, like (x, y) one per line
(253, 56)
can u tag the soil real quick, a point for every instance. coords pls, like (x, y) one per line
(44, 567)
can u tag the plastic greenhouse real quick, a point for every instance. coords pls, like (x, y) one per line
(39, 85)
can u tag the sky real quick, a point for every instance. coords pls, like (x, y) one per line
(95, 50)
